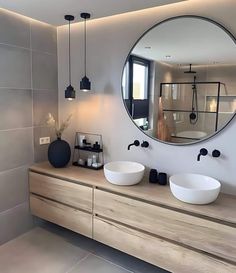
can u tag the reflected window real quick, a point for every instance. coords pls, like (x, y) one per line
(136, 85)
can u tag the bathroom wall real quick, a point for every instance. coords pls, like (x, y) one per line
(28, 90)
(102, 111)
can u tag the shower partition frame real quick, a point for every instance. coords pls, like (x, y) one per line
(191, 83)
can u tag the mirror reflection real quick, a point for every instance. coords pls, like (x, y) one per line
(179, 83)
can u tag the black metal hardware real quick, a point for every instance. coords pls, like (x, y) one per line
(136, 143)
(145, 144)
(195, 83)
(216, 153)
(92, 144)
(203, 152)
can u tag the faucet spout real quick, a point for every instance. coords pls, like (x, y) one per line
(198, 157)
(136, 143)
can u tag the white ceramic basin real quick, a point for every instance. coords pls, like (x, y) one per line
(192, 134)
(194, 188)
(124, 173)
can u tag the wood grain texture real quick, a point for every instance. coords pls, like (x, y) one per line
(164, 254)
(59, 214)
(72, 194)
(195, 232)
(222, 209)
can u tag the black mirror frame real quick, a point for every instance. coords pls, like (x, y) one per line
(166, 20)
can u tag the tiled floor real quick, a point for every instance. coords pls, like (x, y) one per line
(51, 249)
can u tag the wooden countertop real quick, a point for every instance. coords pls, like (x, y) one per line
(223, 209)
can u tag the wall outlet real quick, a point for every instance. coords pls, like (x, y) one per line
(44, 140)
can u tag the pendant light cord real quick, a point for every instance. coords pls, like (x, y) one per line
(69, 57)
(85, 45)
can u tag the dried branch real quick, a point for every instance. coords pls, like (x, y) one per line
(51, 122)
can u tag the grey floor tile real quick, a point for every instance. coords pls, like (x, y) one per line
(94, 264)
(39, 251)
(115, 256)
(13, 223)
(126, 261)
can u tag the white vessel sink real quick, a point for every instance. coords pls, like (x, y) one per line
(192, 134)
(124, 173)
(194, 188)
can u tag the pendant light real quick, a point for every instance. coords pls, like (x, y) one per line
(85, 84)
(70, 91)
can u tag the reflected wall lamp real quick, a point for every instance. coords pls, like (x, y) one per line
(70, 91)
(85, 84)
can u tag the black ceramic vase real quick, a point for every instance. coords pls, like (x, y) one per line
(59, 153)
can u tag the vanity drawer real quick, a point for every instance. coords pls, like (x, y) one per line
(167, 255)
(62, 215)
(187, 230)
(68, 193)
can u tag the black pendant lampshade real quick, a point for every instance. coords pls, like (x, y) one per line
(85, 84)
(70, 91)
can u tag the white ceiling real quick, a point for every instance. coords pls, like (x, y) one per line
(187, 40)
(53, 11)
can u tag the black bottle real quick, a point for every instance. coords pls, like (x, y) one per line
(153, 176)
(162, 179)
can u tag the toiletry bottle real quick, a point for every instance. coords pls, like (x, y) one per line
(89, 161)
(94, 159)
(81, 140)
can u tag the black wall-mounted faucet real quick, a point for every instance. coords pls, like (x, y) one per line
(136, 143)
(203, 152)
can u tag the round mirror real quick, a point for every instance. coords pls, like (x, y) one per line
(179, 80)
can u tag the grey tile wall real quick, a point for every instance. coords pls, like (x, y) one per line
(40, 151)
(14, 30)
(44, 83)
(15, 68)
(16, 148)
(43, 38)
(13, 187)
(28, 91)
(16, 108)
(44, 102)
(44, 67)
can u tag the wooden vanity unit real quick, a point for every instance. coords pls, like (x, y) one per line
(144, 220)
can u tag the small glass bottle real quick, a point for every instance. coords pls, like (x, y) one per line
(94, 159)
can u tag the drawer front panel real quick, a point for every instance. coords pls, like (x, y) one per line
(185, 229)
(164, 254)
(59, 214)
(72, 194)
